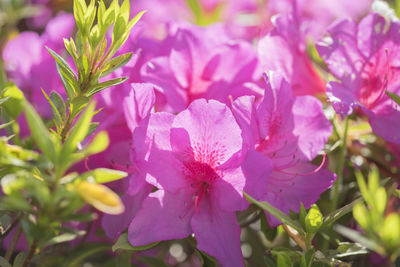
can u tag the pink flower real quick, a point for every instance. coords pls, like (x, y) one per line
(365, 58)
(290, 131)
(202, 63)
(195, 159)
(316, 15)
(284, 50)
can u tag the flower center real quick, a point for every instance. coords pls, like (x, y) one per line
(201, 177)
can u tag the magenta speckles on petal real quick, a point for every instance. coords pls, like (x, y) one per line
(198, 157)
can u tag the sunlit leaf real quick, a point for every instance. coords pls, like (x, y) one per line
(123, 244)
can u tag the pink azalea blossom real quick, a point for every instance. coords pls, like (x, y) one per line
(195, 159)
(284, 50)
(365, 58)
(290, 131)
(317, 15)
(202, 63)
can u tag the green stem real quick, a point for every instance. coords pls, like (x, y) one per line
(31, 253)
(66, 127)
(340, 167)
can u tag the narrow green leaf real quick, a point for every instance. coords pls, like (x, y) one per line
(4, 99)
(284, 260)
(116, 63)
(65, 237)
(78, 131)
(19, 259)
(56, 113)
(346, 249)
(69, 86)
(339, 213)
(99, 144)
(101, 86)
(308, 258)
(135, 19)
(78, 104)
(123, 244)
(15, 99)
(358, 237)
(270, 233)
(394, 97)
(63, 64)
(276, 213)
(302, 215)
(125, 10)
(5, 125)
(39, 132)
(102, 175)
(4, 262)
(361, 215)
(59, 103)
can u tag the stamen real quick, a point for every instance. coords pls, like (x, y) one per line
(309, 173)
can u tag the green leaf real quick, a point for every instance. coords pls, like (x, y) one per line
(88, 250)
(78, 132)
(346, 249)
(4, 262)
(123, 244)
(78, 104)
(391, 231)
(102, 175)
(58, 103)
(313, 220)
(19, 259)
(15, 100)
(339, 213)
(62, 63)
(101, 86)
(302, 215)
(90, 15)
(93, 126)
(39, 132)
(270, 233)
(116, 63)
(269, 261)
(79, 13)
(205, 259)
(373, 179)
(394, 97)
(5, 125)
(56, 113)
(380, 198)
(363, 188)
(69, 84)
(65, 237)
(4, 99)
(307, 258)
(276, 213)
(358, 237)
(99, 144)
(361, 215)
(284, 260)
(135, 19)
